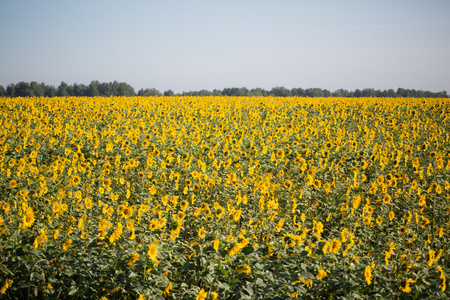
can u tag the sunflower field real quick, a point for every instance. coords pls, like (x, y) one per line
(224, 198)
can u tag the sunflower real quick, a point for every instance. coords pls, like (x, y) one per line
(407, 288)
(13, 184)
(367, 220)
(328, 145)
(403, 229)
(368, 274)
(207, 212)
(288, 184)
(134, 257)
(321, 274)
(245, 270)
(391, 215)
(335, 246)
(75, 180)
(145, 143)
(317, 228)
(317, 183)
(40, 239)
(67, 244)
(6, 286)
(181, 215)
(130, 224)
(211, 154)
(280, 154)
(184, 205)
(201, 295)
(153, 252)
(424, 222)
(153, 225)
(201, 233)
(106, 183)
(28, 218)
(216, 244)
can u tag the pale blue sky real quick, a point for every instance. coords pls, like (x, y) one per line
(193, 45)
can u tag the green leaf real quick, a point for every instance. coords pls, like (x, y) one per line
(223, 271)
(259, 282)
(247, 250)
(208, 278)
(132, 275)
(73, 291)
(224, 286)
(249, 290)
(306, 275)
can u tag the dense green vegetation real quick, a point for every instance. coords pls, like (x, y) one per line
(95, 88)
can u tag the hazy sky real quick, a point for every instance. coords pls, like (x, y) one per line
(193, 45)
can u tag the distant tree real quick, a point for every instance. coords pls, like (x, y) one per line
(11, 90)
(149, 92)
(125, 89)
(243, 91)
(50, 91)
(205, 93)
(43, 87)
(23, 90)
(442, 94)
(341, 93)
(280, 92)
(299, 92)
(115, 88)
(326, 93)
(169, 93)
(428, 94)
(69, 90)
(369, 93)
(379, 93)
(227, 92)
(78, 90)
(105, 89)
(258, 92)
(314, 92)
(408, 93)
(36, 89)
(420, 94)
(92, 89)
(217, 92)
(390, 93)
(62, 90)
(401, 92)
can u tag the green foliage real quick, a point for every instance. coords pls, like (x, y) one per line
(179, 197)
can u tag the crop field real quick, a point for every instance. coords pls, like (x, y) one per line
(224, 198)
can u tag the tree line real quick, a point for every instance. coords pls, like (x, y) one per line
(95, 88)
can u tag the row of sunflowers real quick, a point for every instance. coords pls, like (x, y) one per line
(224, 197)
